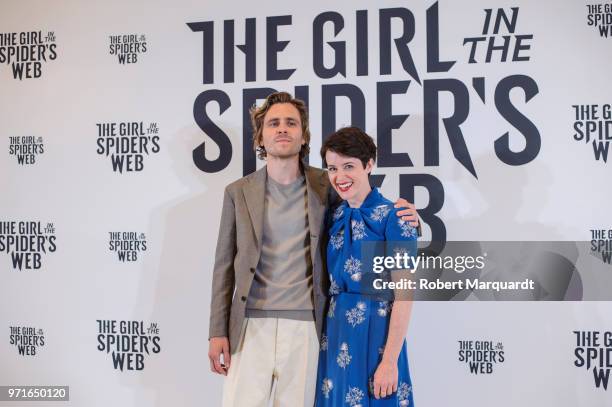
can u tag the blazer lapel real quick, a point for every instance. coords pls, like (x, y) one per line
(317, 201)
(254, 194)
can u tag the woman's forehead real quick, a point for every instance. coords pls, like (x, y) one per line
(332, 156)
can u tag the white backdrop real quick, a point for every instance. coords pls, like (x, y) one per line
(561, 194)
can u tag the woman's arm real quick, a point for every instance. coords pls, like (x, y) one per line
(386, 375)
(400, 235)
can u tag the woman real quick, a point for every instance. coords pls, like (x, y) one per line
(363, 360)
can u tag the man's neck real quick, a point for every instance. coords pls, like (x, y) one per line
(283, 170)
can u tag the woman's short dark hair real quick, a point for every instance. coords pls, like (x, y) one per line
(350, 142)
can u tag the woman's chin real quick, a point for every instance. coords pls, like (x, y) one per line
(343, 195)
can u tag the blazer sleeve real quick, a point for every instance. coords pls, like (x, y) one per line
(223, 273)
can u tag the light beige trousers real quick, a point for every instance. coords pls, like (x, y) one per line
(275, 364)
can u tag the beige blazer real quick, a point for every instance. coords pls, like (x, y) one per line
(239, 249)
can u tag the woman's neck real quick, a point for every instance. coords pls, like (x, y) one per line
(358, 199)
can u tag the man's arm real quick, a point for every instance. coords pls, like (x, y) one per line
(222, 288)
(408, 212)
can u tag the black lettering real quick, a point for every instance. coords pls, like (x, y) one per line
(408, 184)
(432, 89)
(387, 122)
(517, 119)
(401, 43)
(433, 43)
(274, 47)
(339, 47)
(211, 130)
(328, 106)
(208, 51)
(361, 42)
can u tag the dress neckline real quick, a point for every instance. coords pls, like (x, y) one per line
(370, 201)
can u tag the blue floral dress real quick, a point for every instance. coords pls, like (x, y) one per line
(357, 324)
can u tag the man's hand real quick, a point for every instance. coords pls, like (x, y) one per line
(216, 347)
(409, 213)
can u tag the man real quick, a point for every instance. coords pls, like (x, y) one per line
(269, 288)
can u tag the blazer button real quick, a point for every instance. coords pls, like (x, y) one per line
(243, 298)
(252, 270)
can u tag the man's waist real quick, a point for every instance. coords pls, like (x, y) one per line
(300, 314)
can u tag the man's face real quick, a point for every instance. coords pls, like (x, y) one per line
(282, 131)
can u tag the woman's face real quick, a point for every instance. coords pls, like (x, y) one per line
(348, 177)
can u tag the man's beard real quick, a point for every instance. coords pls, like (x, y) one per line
(285, 154)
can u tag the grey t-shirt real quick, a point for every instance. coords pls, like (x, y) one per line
(282, 285)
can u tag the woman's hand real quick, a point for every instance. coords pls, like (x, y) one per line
(385, 379)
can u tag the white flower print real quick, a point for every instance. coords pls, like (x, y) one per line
(324, 343)
(334, 289)
(337, 240)
(354, 396)
(400, 250)
(407, 230)
(338, 212)
(353, 266)
(343, 358)
(356, 316)
(358, 228)
(332, 308)
(403, 392)
(327, 386)
(383, 308)
(380, 212)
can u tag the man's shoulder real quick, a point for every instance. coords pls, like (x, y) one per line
(316, 170)
(317, 173)
(240, 183)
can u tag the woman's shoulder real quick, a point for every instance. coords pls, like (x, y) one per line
(385, 204)
(394, 225)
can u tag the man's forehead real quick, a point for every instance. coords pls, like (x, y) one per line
(282, 111)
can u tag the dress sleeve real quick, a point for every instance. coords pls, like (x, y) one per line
(400, 237)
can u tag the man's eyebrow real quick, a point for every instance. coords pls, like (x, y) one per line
(295, 119)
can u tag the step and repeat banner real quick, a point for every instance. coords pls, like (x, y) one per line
(122, 122)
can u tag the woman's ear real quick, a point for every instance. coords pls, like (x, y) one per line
(369, 166)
